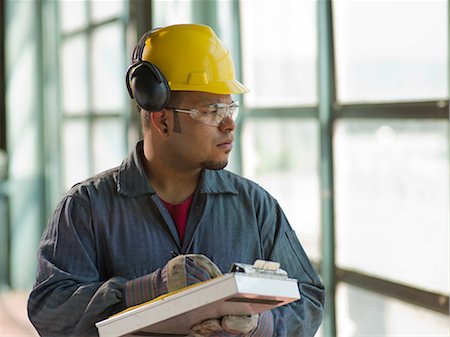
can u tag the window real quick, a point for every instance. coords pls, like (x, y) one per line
(384, 55)
(171, 12)
(392, 200)
(390, 174)
(365, 313)
(95, 112)
(280, 129)
(391, 167)
(281, 155)
(279, 52)
(74, 75)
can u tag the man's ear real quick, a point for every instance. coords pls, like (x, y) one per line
(159, 121)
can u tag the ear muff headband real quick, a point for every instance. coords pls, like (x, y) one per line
(145, 82)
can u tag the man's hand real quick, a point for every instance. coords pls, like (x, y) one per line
(226, 326)
(185, 270)
(179, 272)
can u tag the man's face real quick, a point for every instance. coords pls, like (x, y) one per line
(195, 144)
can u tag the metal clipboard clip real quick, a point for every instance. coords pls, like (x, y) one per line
(261, 268)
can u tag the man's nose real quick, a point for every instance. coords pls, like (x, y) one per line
(227, 125)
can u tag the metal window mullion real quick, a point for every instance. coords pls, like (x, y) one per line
(52, 106)
(237, 47)
(205, 12)
(93, 116)
(415, 296)
(412, 110)
(41, 186)
(282, 112)
(5, 241)
(327, 97)
(90, 26)
(89, 77)
(125, 115)
(3, 137)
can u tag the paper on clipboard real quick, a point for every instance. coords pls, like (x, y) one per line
(229, 294)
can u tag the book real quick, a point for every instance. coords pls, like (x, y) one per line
(174, 315)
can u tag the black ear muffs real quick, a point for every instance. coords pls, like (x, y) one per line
(145, 82)
(148, 86)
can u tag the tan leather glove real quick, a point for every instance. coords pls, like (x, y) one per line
(231, 325)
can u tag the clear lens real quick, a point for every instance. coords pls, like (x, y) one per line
(213, 114)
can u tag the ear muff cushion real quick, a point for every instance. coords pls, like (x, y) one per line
(150, 87)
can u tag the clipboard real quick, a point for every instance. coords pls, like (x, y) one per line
(236, 293)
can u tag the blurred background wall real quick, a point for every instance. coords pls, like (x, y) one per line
(346, 125)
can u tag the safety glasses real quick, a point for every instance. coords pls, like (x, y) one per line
(213, 114)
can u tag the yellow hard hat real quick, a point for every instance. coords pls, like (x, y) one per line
(185, 57)
(192, 58)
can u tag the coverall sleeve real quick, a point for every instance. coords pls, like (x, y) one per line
(301, 318)
(69, 297)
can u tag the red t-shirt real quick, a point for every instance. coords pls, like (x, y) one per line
(179, 214)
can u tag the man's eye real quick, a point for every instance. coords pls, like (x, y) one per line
(207, 112)
(213, 110)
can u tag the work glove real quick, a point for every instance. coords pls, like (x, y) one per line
(226, 326)
(250, 326)
(179, 272)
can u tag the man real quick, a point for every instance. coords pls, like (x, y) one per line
(112, 239)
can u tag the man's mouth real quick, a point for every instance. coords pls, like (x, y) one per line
(227, 145)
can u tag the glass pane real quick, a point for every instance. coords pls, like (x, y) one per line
(74, 70)
(227, 28)
(75, 152)
(109, 144)
(72, 14)
(108, 68)
(384, 55)
(279, 57)
(392, 200)
(365, 313)
(287, 168)
(106, 9)
(169, 12)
